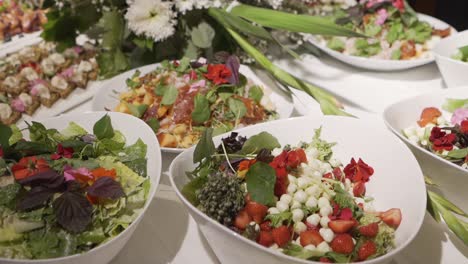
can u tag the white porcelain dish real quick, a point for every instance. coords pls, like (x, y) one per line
(355, 138)
(125, 124)
(107, 98)
(452, 178)
(453, 71)
(383, 65)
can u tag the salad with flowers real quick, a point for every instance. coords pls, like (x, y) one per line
(393, 28)
(180, 99)
(462, 54)
(67, 192)
(447, 139)
(298, 200)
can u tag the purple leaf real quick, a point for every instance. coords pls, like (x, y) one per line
(73, 211)
(49, 179)
(106, 187)
(35, 198)
(233, 64)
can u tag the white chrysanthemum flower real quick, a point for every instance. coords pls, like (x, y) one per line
(152, 18)
(183, 6)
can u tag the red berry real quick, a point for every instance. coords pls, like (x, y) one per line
(310, 237)
(265, 238)
(242, 220)
(282, 182)
(341, 226)
(369, 230)
(338, 174)
(266, 226)
(342, 243)
(366, 250)
(359, 189)
(257, 211)
(392, 217)
(281, 235)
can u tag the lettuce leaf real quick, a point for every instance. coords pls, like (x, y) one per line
(16, 136)
(127, 177)
(73, 130)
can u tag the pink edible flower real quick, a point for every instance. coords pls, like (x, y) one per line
(68, 73)
(18, 105)
(382, 16)
(69, 173)
(196, 85)
(459, 115)
(78, 49)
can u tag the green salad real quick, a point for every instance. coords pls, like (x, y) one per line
(462, 54)
(66, 192)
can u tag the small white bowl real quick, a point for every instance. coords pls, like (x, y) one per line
(126, 124)
(395, 169)
(454, 72)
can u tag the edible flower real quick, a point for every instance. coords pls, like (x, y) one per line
(441, 140)
(244, 167)
(62, 153)
(399, 4)
(218, 74)
(67, 73)
(102, 172)
(29, 166)
(358, 171)
(18, 105)
(382, 16)
(82, 175)
(429, 115)
(459, 115)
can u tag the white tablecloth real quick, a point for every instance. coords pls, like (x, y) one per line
(168, 234)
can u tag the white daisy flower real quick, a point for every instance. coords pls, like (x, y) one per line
(183, 6)
(153, 18)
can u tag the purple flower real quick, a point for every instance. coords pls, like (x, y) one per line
(382, 16)
(18, 105)
(459, 115)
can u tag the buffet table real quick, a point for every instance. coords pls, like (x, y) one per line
(168, 234)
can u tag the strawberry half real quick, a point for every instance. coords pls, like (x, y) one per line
(342, 243)
(257, 211)
(325, 260)
(359, 189)
(310, 237)
(265, 238)
(392, 217)
(341, 226)
(369, 230)
(242, 220)
(281, 235)
(366, 250)
(266, 226)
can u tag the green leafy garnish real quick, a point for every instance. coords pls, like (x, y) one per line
(201, 112)
(205, 147)
(261, 179)
(324, 148)
(278, 220)
(264, 140)
(103, 128)
(170, 96)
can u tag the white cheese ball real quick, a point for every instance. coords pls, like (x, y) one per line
(327, 196)
(295, 204)
(313, 191)
(327, 234)
(324, 221)
(286, 198)
(311, 202)
(292, 179)
(323, 247)
(273, 210)
(313, 219)
(282, 206)
(322, 202)
(292, 188)
(297, 215)
(299, 227)
(300, 196)
(326, 211)
(303, 182)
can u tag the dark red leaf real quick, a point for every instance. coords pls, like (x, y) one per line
(73, 211)
(233, 64)
(49, 179)
(35, 198)
(106, 187)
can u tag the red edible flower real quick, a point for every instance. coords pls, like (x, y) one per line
(441, 140)
(102, 172)
(358, 171)
(399, 4)
(62, 153)
(218, 73)
(29, 166)
(464, 126)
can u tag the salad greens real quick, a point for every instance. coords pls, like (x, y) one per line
(462, 54)
(66, 192)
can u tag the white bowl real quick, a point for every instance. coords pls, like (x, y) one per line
(125, 124)
(379, 64)
(453, 71)
(395, 169)
(452, 178)
(107, 98)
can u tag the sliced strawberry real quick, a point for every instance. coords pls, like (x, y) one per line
(366, 250)
(359, 189)
(325, 260)
(310, 237)
(302, 155)
(311, 226)
(266, 226)
(429, 115)
(328, 175)
(369, 230)
(281, 235)
(265, 238)
(341, 226)
(338, 173)
(342, 243)
(391, 217)
(242, 220)
(282, 182)
(257, 211)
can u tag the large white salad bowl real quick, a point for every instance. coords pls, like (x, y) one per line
(397, 183)
(453, 71)
(127, 125)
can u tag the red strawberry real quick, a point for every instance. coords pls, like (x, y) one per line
(302, 155)
(311, 226)
(328, 175)
(265, 238)
(369, 230)
(341, 226)
(342, 243)
(242, 220)
(265, 226)
(391, 217)
(325, 260)
(310, 237)
(281, 235)
(282, 182)
(338, 173)
(366, 250)
(257, 211)
(359, 189)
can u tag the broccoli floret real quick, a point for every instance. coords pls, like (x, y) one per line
(221, 198)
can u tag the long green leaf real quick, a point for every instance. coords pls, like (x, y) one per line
(329, 104)
(292, 22)
(446, 203)
(431, 208)
(457, 227)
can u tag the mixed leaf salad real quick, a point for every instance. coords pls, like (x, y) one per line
(462, 54)
(393, 28)
(180, 99)
(446, 139)
(297, 200)
(66, 192)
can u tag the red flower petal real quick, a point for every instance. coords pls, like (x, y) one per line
(464, 126)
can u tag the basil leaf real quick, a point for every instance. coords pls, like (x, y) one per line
(264, 140)
(153, 123)
(170, 96)
(256, 93)
(205, 147)
(103, 128)
(201, 111)
(5, 134)
(131, 83)
(237, 107)
(261, 179)
(160, 89)
(458, 153)
(137, 110)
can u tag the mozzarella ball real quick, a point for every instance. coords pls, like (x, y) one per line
(297, 215)
(303, 182)
(327, 234)
(292, 179)
(286, 198)
(273, 210)
(326, 211)
(323, 247)
(313, 219)
(313, 191)
(282, 206)
(311, 202)
(292, 188)
(322, 202)
(295, 204)
(300, 196)
(324, 221)
(299, 227)
(310, 247)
